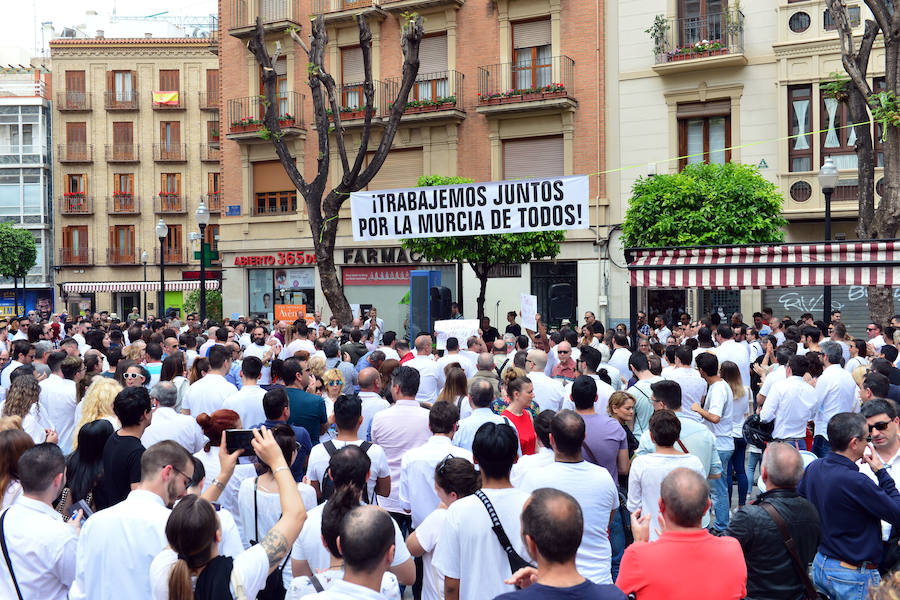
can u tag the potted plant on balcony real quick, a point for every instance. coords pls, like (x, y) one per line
(658, 33)
(701, 49)
(286, 120)
(553, 90)
(245, 124)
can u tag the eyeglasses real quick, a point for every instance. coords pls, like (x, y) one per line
(563, 352)
(187, 479)
(335, 383)
(132, 376)
(880, 426)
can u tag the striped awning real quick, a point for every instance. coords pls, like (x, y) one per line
(136, 286)
(857, 262)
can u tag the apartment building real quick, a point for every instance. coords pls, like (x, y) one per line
(25, 181)
(137, 131)
(507, 89)
(725, 74)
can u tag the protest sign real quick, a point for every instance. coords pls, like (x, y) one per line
(461, 329)
(529, 311)
(471, 209)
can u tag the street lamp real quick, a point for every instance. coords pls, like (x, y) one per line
(161, 232)
(144, 258)
(202, 217)
(828, 180)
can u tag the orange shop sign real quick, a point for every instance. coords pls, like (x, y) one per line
(287, 257)
(290, 312)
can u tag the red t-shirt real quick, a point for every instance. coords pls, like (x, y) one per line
(684, 565)
(525, 429)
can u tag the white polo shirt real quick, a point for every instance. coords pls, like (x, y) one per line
(791, 403)
(57, 402)
(208, 394)
(170, 425)
(417, 466)
(248, 403)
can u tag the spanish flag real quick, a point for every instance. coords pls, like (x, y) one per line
(170, 98)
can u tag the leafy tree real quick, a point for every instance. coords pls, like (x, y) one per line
(483, 252)
(213, 304)
(18, 253)
(704, 205)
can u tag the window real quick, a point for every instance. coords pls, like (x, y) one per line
(169, 80)
(352, 78)
(799, 22)
(170, 140)
(704, 132)
(75, 244)
(75, 89)
(76, 136)
(173, 244)
(212, 237)
(281, 86)
(532, 54)
(121, 244)
(519, 158)
(273, 203)
(838, 141)
(121, 83)
(213, 182)
(800, 111)
(273, 191)
(75, 185)
(170, 196)
(431, 83)
(123, 141)
(212, 86)
(212, 132)
(828, 23)
(700, 20)
(123, 192)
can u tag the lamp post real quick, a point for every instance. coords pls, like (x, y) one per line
(161, 232)
(828, 180)
(202, 217)
(144, 258)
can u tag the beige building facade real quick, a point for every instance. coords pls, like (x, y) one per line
(136, 132)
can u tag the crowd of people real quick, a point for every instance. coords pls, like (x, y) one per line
(572, 463)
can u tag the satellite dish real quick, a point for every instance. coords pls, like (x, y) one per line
(616, 248)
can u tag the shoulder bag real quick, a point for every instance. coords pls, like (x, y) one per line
(811, 592)
(516, 562)
(6, 555)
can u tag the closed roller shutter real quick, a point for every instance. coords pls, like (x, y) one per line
(850, 300)
(270, 176)
(352, 66)
(401, 169)
(533, 158)
(531, 34)
(433, 55)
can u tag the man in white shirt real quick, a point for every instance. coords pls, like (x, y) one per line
(468, 554)
(22, 353)
(716, 415)
(642, 391)
(728, 349)
(873, 331)
(591, 485)
(791, 403)
(375, 325)
(265, 351)
(429, 380)
(248, 401)
(835, 393)
(208, 394)
(540, 459)
(299, 342)
(372, 402)
(661, 332)
(452, 355)
(778, 373)
(348, 466)
(417, 493)
(693, 388)
(621, 353)
(388, 340)
(474, 347)
(548, 393)
(57, 401)
(481, 394)
(589, 365)
(41, 546)
(170, 425)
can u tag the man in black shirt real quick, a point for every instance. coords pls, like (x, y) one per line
(123, 450)
(488, 333)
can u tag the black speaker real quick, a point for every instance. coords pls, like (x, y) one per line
(444, 301)
(562, 302)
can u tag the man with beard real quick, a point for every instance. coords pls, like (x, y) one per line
(262, 351)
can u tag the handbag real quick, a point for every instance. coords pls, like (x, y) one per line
(811, 592)
(516, 562)
(6, 555)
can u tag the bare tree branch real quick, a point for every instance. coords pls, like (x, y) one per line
(298, 40)
(328, 81)
(882, 16)
(318, 43)
(848, 52)
(365, 43)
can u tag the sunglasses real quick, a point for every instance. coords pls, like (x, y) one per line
(132, 376)
(880, 426)
(335, 383)
(443, 464)
(563, 352)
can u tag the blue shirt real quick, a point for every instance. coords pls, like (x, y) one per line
(465, 434)
(298, 469)
(363, 362)
(586, 590)
(851, 507)
(234, 375)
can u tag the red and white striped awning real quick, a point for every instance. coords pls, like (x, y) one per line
(858, 262)
(136, 286)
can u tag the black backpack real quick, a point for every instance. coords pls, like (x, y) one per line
(328, 483)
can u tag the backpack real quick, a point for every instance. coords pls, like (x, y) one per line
(328, 483)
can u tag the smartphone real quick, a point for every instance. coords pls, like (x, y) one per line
(239, 439)
(83, 507)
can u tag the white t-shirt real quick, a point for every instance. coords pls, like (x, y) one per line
(740, 409)
(719, 399)
(319, 458)
(251, 564)
(645, 479)
(428, 532)
(302, 587)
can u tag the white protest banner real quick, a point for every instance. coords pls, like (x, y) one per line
(529, 311)
(471, 209)
(461, 329)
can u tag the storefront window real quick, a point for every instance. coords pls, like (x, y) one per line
(261, 303)
(271, 287)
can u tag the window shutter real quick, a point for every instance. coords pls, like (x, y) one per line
(134, 81)
(212, 183)
(75, 81)
(113, 242)
(212, 81)
(76, 133)
(352, 66)
(168, 80)
(270, 176)
(433, 54)
(716, 108)
(281, 66)
(110, 81)
(533, 158)
(531, 34)
(401, 169)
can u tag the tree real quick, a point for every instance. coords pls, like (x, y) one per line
(879, 222)
(703, 205)
(18, 253)
(484, 252)
(213, 304)
(323, 209)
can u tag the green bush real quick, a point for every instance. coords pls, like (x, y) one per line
(213, 304)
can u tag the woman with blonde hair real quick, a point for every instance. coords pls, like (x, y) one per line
(621, 408)
(135, 351)
(333, 382)
(22, 401)
(97, 404)
(317, 366)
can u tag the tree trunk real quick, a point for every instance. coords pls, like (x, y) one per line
(324, 234)
(16, 295)
(482, 275)
(881, 305)
(25, 293)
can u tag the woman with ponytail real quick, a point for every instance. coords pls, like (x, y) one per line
(191, 567)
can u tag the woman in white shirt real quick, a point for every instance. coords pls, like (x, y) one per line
(858, 356)
(13, 444)
(22, 401)
(192, 564)
(740, 409)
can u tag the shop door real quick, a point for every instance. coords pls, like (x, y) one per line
(667, 303)
(556, 288)
(127, 301)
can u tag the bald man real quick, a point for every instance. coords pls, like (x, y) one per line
(372, 402)
(548, 393)
(423, 362)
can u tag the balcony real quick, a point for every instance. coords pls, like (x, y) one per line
(210, 152)
(213, 202)
(122, 256)
(121, 100)
(345, 11)
(209, 100)
(277, 15)
(352, 104)
(123, 153)
(75, 153)
(693, 43)
(434, 97)
(170, 204)
(401, 6)
(174, 256)
(76, 205)
(170, 152)
(73, 101)
(22, 85)
(76, 257)
(527, 87)
(245, 116)
(167, 100)
(123, 204)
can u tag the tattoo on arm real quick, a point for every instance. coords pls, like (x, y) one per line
(276, 546)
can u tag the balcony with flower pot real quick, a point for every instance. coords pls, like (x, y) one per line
(123, 204)
(526, 86)
(170, 204)
(711, 41)
(76, 204)
(246, 117)
(213, 202)
(434, 97)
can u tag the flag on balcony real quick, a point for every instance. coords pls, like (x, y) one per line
(161, 97)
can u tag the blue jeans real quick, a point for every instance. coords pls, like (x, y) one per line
(841, 583)
(737, 466)
(821, 447)
(752, 462)
(720, 493)
(617, 540)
